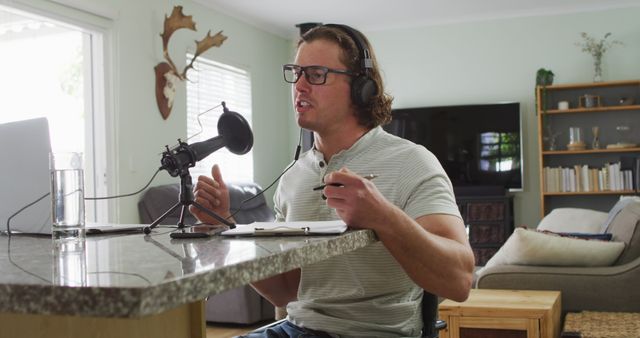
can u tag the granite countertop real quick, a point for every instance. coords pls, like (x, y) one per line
(136, 275)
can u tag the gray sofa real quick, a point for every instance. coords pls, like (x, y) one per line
(241, 305)
(608, 288)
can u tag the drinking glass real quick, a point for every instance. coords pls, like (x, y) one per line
(67, 195)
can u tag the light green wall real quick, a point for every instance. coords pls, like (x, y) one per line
(139, 133)
(491, 61)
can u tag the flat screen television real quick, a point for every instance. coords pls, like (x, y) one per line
(479, 146)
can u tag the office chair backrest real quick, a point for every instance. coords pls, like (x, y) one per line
(432, 325)
(156, 200)
(255, 209)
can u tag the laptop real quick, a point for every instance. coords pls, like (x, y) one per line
(25, 175)
(25, 179)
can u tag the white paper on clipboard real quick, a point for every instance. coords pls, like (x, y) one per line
(287, 228)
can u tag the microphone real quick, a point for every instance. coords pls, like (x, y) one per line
(234, 133)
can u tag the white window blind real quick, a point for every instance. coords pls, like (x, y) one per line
(209, 84)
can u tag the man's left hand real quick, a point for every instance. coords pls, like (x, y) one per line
(357, 200)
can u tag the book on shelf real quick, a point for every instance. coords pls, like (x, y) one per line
(632, 164)
(614, 176)
(636, 175)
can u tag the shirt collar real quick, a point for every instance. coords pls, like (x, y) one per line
(361, 144)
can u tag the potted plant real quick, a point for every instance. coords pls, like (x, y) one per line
(544, 78)
(597, 50)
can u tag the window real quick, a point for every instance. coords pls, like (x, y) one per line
(209, 84)
(499, 151)
(51, 69)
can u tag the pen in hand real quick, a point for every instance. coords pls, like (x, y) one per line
(320, 187)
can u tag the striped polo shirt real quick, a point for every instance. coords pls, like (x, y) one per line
(364, 292)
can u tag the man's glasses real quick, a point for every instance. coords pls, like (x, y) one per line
(315, 75)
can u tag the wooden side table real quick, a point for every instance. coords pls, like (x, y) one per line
(503, 313)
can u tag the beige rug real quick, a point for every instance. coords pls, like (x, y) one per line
(590, 324)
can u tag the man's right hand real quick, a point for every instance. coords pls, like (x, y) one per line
(211, 193)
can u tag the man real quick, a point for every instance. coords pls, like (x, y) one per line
(377, 290)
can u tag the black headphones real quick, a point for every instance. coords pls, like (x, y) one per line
(363, 88)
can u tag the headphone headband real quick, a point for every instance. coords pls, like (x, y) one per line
(363, 88)
(365, 59)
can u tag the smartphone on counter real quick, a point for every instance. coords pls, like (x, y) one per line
(199, 231)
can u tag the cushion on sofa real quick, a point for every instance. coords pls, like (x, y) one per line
(621, 204)
(573, 220)
(623, 226)
(530, 247)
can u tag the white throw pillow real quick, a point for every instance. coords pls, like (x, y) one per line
(574, 220)
(529, 247)
(616, 215)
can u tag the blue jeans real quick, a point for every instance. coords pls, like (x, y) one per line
(286, 329)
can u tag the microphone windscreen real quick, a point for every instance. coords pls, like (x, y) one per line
(236, 132)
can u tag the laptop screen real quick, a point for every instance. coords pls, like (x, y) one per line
(25, 175)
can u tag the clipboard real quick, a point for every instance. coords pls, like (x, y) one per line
(287, 229)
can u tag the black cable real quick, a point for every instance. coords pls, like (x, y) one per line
(127, 195)
(21, 210)
(295, 159)
(86, 198)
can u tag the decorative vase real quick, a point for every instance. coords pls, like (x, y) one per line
(597, 65)
(595, 143)
(552, 139)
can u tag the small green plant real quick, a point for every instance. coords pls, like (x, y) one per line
(544, 78)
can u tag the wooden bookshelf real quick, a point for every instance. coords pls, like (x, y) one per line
(591, 151)
(589, 193)
(608, 114)
(591, 110)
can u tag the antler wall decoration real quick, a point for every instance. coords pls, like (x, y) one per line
(167, 74)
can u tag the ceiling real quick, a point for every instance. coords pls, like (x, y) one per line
(280, 16)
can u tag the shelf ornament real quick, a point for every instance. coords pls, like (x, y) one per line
(167, 74)
(597, 50)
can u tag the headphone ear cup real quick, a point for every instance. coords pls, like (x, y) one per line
(363, 89)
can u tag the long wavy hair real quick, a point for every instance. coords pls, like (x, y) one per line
(378, 110)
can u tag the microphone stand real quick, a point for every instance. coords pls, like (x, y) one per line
(186, 199)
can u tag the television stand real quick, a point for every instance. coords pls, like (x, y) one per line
(489, 222)
(480, 190)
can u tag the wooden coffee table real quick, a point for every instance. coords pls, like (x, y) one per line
(503, 313)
